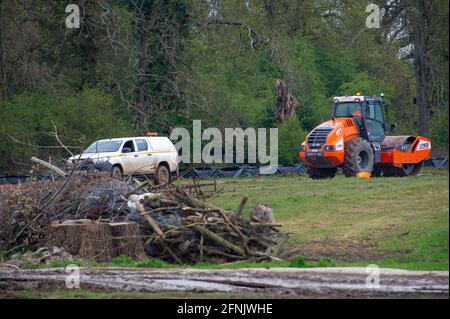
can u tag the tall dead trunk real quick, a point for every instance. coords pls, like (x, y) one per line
(286, 102)
(141, 79)
(145, 20)
(3, 83)
(88, 47)
(422, 66)
(270, 11)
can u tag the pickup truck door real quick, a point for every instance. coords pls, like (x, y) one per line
(129, 157)
(145, 158)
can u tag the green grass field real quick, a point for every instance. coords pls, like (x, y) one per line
(391, 222)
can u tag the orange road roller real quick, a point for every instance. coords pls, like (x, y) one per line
(355, 140)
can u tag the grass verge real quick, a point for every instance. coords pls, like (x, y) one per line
(392, 222)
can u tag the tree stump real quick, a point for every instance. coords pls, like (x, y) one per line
(263, 213)
(83, 238)
(127, 240)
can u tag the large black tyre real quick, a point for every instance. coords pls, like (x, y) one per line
(405, 170)
(321, 173)
(412, 169)
(377, 171)
(358, 157)
(162, 175)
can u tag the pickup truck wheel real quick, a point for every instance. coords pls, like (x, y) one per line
(162, 175)
(116, 172)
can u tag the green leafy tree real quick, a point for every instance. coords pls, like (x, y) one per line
(29, 122)
(290, 136)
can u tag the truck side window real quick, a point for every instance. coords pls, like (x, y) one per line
(142, 145)
(129, 145)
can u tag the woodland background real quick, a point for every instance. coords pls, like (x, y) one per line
(136, 66)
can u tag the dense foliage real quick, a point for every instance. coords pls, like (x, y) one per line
(151, 65)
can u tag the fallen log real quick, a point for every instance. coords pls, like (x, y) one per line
(219, 239)
(57, 170)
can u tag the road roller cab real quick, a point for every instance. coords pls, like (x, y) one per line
(355, 140)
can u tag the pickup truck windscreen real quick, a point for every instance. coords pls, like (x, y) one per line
(103, 147)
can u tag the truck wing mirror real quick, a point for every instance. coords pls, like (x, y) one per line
(126, 150)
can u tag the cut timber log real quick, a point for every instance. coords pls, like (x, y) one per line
(127, 240)
(219, 240)
(91, 241)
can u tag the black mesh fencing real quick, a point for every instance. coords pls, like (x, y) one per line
(229, 172)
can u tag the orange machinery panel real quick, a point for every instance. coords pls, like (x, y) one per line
(416, 152)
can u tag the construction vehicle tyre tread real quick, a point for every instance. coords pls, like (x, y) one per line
(353, 148)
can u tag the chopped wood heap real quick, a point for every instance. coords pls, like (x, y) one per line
(95, 217)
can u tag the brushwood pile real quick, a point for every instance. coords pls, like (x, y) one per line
(93, 216)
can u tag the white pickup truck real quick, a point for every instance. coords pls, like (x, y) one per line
(134, 155)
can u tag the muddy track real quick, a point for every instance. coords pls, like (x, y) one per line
(277, 283)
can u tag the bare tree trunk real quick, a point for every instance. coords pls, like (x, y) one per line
(3, 84)
(146, 21)
(422, 67)
(141, 80)
(286, 102)
(88, 48)
(270, 11)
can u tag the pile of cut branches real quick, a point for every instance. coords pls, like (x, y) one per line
(184, 229)
(172, 223)
(27, 209)
(19, 206)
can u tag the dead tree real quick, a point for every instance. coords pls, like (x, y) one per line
(412, 18)
(286, 102)
(422, 65)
